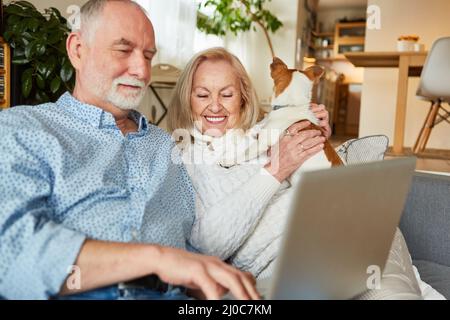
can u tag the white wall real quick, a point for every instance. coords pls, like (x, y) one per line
(428, 19)
(254, 52)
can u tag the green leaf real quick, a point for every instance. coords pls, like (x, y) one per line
(44, 69)
(66, 72)
(20, 60)
(40, 81)
(30, 49)
(33, 24)
(27, 4)
(40, 48)
(13, 19)
(7, 35)
(14, 9)
(57, 14)
(42, 97)
(27, 82)
(55, 85)
(55, 37)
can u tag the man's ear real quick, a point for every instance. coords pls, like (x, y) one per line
(314, 73)
(277, 67)
(73, 47)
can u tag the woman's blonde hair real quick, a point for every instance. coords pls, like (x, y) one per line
(179, 112)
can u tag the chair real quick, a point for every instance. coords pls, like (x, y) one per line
(435, 87)
(164, 76)
(333, 94)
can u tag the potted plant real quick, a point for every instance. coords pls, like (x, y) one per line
(38, 42)
(237, 16)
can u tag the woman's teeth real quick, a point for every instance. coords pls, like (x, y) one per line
(215, 119)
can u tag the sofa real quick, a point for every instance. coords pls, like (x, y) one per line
(425, 222)
(425, 225)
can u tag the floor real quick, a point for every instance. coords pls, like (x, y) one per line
(430, 160)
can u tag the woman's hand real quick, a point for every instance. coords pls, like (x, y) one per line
(322, 114)
(293, 150)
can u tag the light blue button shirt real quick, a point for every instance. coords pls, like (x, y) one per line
(67, 174)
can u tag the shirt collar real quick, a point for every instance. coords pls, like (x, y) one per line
(95, 116)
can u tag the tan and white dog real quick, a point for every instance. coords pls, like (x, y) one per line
(291, 102)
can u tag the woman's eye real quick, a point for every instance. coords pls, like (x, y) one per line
(202, 96)
(227, 95)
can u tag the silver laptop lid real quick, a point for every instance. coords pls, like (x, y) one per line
(342, 222)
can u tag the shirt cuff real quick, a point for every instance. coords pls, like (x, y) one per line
(40, 270)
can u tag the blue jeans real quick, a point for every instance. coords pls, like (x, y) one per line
(116, 293)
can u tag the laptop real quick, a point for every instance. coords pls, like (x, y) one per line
(342, 224)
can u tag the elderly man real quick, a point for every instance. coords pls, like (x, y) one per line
(87, 185)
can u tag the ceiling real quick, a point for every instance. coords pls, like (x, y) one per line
(335, 4)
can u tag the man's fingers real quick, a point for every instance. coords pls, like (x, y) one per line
(209, 286)
(250, 284)
(229, 279)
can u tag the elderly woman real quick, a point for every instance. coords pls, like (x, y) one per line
(241, 211)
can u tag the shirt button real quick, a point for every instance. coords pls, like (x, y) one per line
(134, 234)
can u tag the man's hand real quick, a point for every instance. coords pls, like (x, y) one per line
(107, 263)
(322, 114)
(209, 275)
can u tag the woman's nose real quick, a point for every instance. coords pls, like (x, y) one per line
(215, 105)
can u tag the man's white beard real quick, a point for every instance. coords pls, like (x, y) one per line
(129, 100)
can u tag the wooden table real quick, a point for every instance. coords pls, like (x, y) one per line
(410, 65)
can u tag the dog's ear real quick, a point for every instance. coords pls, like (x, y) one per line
(277, 67)
(314, 73)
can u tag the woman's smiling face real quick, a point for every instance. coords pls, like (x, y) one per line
(216, 98)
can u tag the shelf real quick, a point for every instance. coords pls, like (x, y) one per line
(330, 47)
(6, 74)
(331, 59)
(323, 34)
(348, 40)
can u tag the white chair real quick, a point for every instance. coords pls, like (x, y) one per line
(435, 87)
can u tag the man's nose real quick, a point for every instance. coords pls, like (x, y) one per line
(140, 67)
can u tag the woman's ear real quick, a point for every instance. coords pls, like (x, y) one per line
(73, 47)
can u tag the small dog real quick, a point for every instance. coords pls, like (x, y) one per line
(290, 104)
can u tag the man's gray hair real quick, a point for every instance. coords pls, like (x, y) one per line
(90, 13)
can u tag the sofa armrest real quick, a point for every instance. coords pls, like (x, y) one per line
(426, 218)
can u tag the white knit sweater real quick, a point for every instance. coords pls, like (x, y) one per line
(240, 212)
